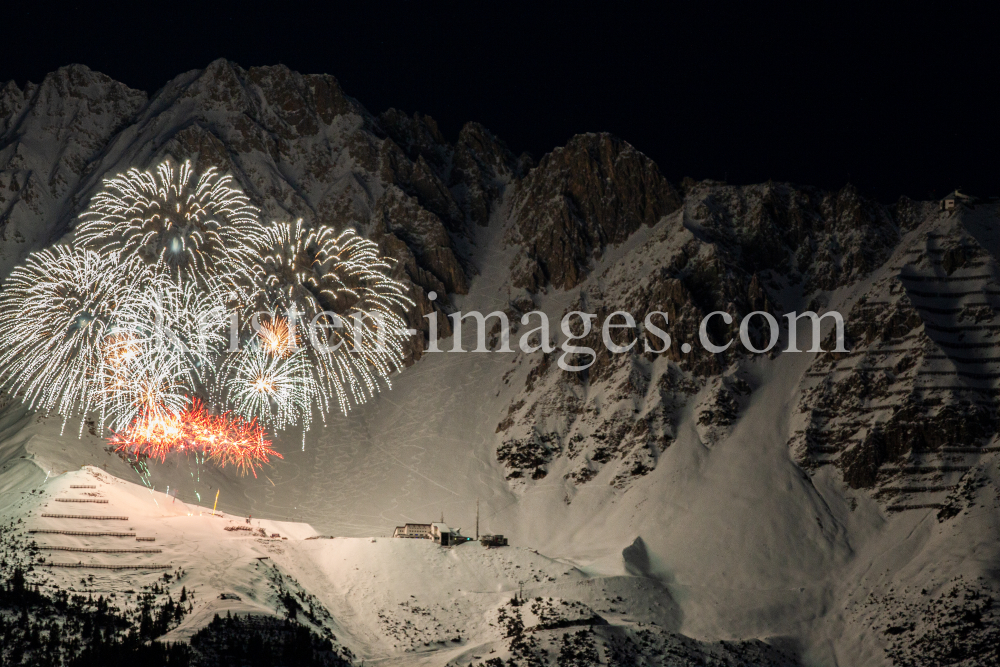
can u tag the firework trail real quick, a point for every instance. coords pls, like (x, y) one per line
(154, 384)
(192, 229)
(226, 439)
(167, 318)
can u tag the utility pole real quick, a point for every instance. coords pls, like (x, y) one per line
(477, 519)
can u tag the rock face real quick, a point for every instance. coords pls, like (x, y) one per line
(771, 248)
(913, 408)
(50, 136)
(593, 192)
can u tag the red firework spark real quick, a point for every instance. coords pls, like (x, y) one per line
(225, 438)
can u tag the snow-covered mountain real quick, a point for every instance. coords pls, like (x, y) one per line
(839, 507)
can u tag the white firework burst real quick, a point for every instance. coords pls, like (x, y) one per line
(277, 389)
(341, 293)
(55, 311)
(190, 227)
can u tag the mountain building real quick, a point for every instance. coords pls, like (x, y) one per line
(440, 532)
(419, 531)
(955, 200)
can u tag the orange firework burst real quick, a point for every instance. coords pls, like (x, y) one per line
(225, 438)
(276, 337)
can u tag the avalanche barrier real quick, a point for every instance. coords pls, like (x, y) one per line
(86, 516)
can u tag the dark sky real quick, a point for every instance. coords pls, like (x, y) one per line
(896, 101)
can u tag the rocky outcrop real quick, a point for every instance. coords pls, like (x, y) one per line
(481, 168)
(735, 249)
(596, 190)
(825, 239)
(913, 407)
(50, 136)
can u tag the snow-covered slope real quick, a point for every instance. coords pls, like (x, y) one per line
(840, 507)
(382, 600)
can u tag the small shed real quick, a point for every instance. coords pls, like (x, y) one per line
(954, 200)
(493, 541)
(441, 533)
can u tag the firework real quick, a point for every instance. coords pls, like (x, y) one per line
(226, 439)
(153, 436)
(166, 318)
(192, 228)
(55, 312)
(128, 324)
(338, 288)
(277, 389)
(277, 338)
(161, 348)
(154, 384)
(238, 442)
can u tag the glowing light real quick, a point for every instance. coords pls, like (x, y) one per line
(227, 439)
(279, 390)
(162, 347)
(167, 318)
(276, 338)
(155, 384)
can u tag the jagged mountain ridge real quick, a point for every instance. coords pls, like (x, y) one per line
(593, 226)
(302, 148)
(297, 144)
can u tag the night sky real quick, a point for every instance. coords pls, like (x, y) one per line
(897, 102)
